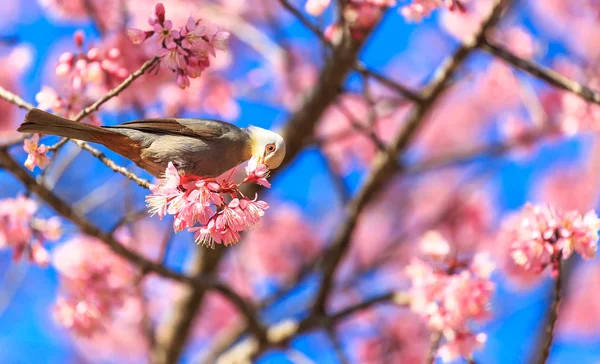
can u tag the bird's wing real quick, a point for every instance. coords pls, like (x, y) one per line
(195, 128)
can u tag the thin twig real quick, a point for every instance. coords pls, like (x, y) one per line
(552, 77)
(358, 66)
(553, 317)
(15, 99)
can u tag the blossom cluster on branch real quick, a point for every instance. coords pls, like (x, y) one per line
(185, 50)
(544, 236)
(196, 200)
(24, 232)
(450, 293)
(85, 75)
(94, 284)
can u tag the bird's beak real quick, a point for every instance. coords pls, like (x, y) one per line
(261, 159)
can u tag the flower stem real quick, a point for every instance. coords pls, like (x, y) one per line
(552, 319)
(435, 340)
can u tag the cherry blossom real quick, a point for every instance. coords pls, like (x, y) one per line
(86, 75)
(544, 236)
(24, 232)
(316, 7)
(95, 282)
(450, 294)
(403, 338)
(36, 153)
(197, 200)
(420, 9)
(184, 51)
(280, 246)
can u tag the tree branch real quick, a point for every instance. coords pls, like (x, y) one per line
(10, 97)
(552, 77)
(296, 131)
(63, 208)
(552, 318)
(358, 66)
(384, 164)
(281, 333)
(15, 99)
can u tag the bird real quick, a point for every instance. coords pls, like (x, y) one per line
(200, 147)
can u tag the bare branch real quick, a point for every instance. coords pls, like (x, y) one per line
(14, 99)
(553, 317)
(552, 77)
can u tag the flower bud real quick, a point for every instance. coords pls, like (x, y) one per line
(79, 38)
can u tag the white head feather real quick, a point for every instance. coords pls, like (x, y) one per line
(268, 146)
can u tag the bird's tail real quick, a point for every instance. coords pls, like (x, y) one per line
(41, 122)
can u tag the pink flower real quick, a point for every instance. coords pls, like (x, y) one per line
(420, 9)
(254, 211)
(435, 246)
(257, 172)
(450, 299)
(137, 36)
(400, 337)
(37, 153)
(192, 200)
(47, 98)
(545, 235)
(460, 345)
(94, 283)
(164, 192)
(85, 75)
(316, 7)
(81, 317)
(225, 226)
(24, 232)
(280, 245)
(186, 50)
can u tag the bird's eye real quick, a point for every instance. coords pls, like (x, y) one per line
(270, 148)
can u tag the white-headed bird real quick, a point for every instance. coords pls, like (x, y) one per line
(201, 147)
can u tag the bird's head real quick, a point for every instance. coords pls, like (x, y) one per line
(267, 146)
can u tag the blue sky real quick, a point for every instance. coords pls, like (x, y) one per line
(29, 335)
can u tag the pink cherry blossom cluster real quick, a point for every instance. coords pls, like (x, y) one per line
(543, 236)
(25, 233)
(197, 200)
(186, 50)
(449, 294)
(359, 15)
(95, 282)
(87, 74)
(420, 9)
